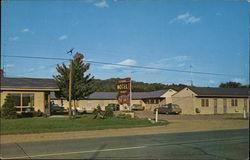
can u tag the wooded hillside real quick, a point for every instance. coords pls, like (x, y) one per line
(109, 85)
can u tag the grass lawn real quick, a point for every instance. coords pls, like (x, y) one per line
(84, 122)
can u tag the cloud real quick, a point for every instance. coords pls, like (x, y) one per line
(125, 62)
(181, 65)
(9, 65)
(31, 70)
(177, 59)
(211, 82)
(14, 38)
(173, 62)
(102, 4)
(218, 14)
(52, 70)
(239, 80)
(25, 30)
(128, 62)
(41, 67)
(185, 18)
(180, 58)
(63, 37)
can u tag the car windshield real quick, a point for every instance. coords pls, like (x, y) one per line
(165, 107)
(175, 106)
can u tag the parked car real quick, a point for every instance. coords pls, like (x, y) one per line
(57, 108)
(137, 107)
(168, 109)
(115, 107)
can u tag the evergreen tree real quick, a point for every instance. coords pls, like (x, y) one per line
(8, 109)
(82, 83)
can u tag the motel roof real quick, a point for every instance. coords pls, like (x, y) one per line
(103, 95)
(28, 84)
(113, 95)
(220, 92)
(144, 95)
(135, 95)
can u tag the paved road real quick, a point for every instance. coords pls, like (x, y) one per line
(224, 144)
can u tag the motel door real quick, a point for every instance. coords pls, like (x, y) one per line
(224, 105)
(215, 106)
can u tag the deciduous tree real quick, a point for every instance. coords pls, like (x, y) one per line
(230, 85)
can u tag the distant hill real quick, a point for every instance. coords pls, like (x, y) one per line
(109, 85)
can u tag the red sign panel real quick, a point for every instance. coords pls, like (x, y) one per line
(123, 87)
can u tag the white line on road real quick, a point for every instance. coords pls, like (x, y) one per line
(127, 148)
(91, 151)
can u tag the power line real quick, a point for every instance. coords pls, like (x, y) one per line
(38, 69)
(31, 57)
(122, 65)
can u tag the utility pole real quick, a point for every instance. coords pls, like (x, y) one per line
(191, 75)
(70, 88)
(130, 95)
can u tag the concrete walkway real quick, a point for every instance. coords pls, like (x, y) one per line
(175, 126)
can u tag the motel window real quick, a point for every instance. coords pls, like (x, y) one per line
(204, 102)
(245, 102)
(157, 101)
(215, 102)
(151, 101)
(89, 104)
(16, 98)
(23, 99)
(28, 99)
(234, 102)
(225, 102)
(18, 109)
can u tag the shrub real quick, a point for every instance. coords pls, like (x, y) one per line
(108, 112)
(98, 112)
(8, 108)
(26, 114)
(38, 113)
(197, 110)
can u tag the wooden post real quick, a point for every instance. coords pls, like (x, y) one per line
(70, 88)
(49, 106)
(244, 113)
(130, 95)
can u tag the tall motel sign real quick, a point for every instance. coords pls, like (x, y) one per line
(124, 96)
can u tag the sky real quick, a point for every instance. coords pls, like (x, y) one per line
(189, 35)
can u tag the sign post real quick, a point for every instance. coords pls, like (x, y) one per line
(124, 92)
